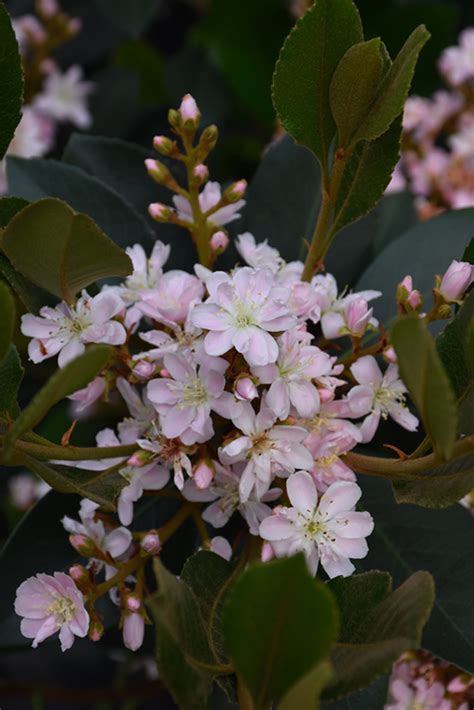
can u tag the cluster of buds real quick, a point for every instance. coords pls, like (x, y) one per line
(203, 212)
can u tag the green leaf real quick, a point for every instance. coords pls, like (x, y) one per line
(424, 250)
(444, 485)
(11, 81)
(469, 252)
(9, 206)
(394, 88)
(377, 625)
(32, 297)
(143, 58)
(11, 375)
(396, 216)
(102, 487)
(278, 623)
(36, 178)
(373, 696)
(60, 250)
(75, 375)
(366, 175)
(423, 373)
(407, 538)
(354, 86)
(8, 317)
(305, 693)
(303, 73)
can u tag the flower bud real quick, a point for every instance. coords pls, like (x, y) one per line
(219, 241)
(164, 372)
(245, 389)
(151, 543)
(267, 553)
(408, 298)
(79, 574)
(357, 316)
(207, 141)
(236, 191)
(189, 111)
(203, 475)
(174, 118)
(133, 602)
(160, 212)
(143, 370)
(139, 458)
(456, 280)
(84, 546)
(325, 395)
(96, 630)
(163, 145)
(158, 171)
(201, 172)
(390, 355)
(133, 631)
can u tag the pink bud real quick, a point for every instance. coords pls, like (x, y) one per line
(407, 283)
(203, 475)
(143, 369)
(133, 631)
(160, 212)
(201, 172)
(245, 389)
(456, 280)
(267, 553)
(325, 395)
(84, 545)
(78, 573)
(74, 25)
(414, 299)
(133, 603)
(357, 315)
(219, 241)
(157, 170)
(136, 459)
(96, 631)
(390, 355)
(189, 109)
(164, 372)
(151, 543)
(163, 145)
(236, 191)
(48, 8)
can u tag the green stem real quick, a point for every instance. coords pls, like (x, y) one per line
(199, 229)
(43, 452)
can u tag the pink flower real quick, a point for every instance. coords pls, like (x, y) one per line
(329, 467)
(185, 400)
(133, 630)
(151, 477)
(290, 377)
(259, 256)
(67, 330)
(358, 316)
(457, 63)
(268, 449)
(337, 309)
(114, 542)
(241, 311)
(170, 300)
(50, 604)
(456, 280)
(408, 296)
(418, 694)
(209, 197)
(64, 97)
(189, 109)
(377, 396)
(329, 531)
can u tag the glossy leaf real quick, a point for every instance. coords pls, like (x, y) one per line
(11, 375)
(394, 88)
(354, 86)
(377, 625)
(408, 538)
(11, 81)
(278, 623)
(60, 250)
(75, 375)
(36, 178)
(8, 316)
(304, 70)
(423, 373)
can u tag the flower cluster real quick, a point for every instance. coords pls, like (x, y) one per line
(52, 96)
(237, 399)
(437, 162)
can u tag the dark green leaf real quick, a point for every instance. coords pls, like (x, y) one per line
(396, 216)
(469, 252)
(32, 297)
(305, 693)
(75, 375)
(366, 175)
(444, 485)
(11, 81)
(60, 250)
(377, 625)
(354, 86)
(36, 178)
(278, 623)
(304, 70)
(8, 317)
(139, 56)
(11, 375)
(394, 88)
(422, 251)
(423, 373)
(131, 18)
(9, 206)
(373, 697)
(407, 538)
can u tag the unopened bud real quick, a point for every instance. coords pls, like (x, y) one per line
(133, 602)
(151, 543)
(390, 355)
(143, 369)
(160, 212)
(219, 241)
(357, 315)
(189, 111)
(96, 630)
(163, 145)
(79, 573)
(245, 389)
(236, 191)
(74, 25)
(84, 545)
(203, 475)
(408, 298)
(156, 170)
(47, 8)
(207, 141)
(201, 172)
(164, 372)
(267, 553)
(456, 280)
(139, 458)
(325, 395)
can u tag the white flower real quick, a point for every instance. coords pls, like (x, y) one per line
(67, 329)
(336, 308)
(64, 97)
(209, 197)
(377, 396)
(260, 255)
(114, 542)
(329, 531)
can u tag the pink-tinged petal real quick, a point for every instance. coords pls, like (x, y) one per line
(226, 406)
(245, 419)
(105, 306)
(118, 541)
(35, 327)
(264, 419)
(214, 383)
(220, 546)
(125, 509)
(276, 527)
(32, 605)
(237, 447)
(178, 367)
(304, 397)
(278, 398)
(47, 629)
(404, 417)
(266, 374)
(302, 492)
(30, 627)
(133, 631)
(355, 548)
(247, 482)
(154, 477)
(176, 421)
(369, 427)
(312, 559)
(360, 399)
(217, 515)
(111, 333)
(288, 433)
(208, 316)
(70, 351)
(339, 497)
(218, 342)
(335, 565)
(260, 347)
(332, 324)
(210, 195)
(366, 371)
(163, 391)
(66, 637)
